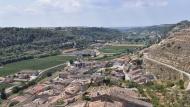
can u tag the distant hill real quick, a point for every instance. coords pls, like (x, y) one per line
(25, 43)
(149, 34)
(174, 50)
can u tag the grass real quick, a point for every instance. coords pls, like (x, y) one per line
(4, 86)
(118, 49)
(107, 58)
(33, 64)
(113, 51)
(128, 45)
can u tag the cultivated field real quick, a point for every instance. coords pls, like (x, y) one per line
(33, 64)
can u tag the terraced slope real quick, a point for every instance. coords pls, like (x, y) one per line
(173, 51)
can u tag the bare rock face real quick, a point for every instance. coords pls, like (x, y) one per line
(173, 51)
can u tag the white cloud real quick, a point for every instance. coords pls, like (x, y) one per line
(61, 5)
(70, 6)
(145, 3)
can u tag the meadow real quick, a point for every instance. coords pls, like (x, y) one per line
(33, 64)
(119, 48)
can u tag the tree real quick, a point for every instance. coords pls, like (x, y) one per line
(15, 89)
(107, 81)
(132, 84)
(181, 84)
(71, 61)
(49, 74)
(86, 97)
(30, 83)
(3, 94)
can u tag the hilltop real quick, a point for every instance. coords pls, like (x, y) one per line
(173, 51)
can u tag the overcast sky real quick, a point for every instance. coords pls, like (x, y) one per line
(101, 13)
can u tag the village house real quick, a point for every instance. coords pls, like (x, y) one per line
(2, 79)
(36, 89)
(8, 79)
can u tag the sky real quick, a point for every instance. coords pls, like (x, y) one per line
(99, 13)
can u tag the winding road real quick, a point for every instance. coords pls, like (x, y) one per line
(169, 66)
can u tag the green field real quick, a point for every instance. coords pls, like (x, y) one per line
(118, 48)
(33, 64)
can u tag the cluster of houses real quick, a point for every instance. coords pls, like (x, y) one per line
(70, 83)
(129, 69)
(137, 74)
(22, 76)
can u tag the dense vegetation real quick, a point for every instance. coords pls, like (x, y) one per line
(148, 35)
(26, 43)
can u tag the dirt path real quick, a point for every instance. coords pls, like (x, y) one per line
(169, 66)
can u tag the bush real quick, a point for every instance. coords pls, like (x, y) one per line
(49, 74)
(15, 89)
(170, 84)
(31, 83)
(132, 84)
(181, 84)
(107, 81)
(87, 98)
(3, 94)
(71, 62)
(60, 102)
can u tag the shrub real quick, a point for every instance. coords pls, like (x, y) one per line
(107, 81)
(181, 84)
(3, 94)
(49, 74)
(87, 98)
(15, 89)
(132, 84)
